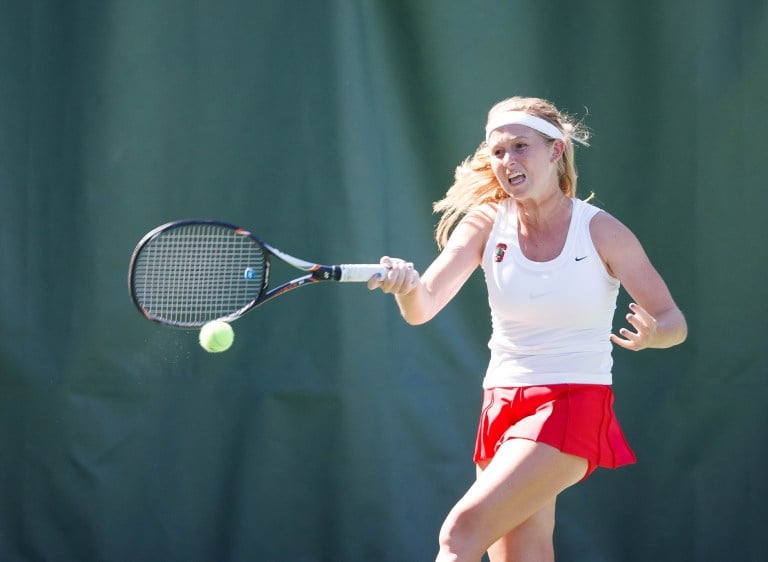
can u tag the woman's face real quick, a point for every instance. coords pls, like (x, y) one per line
(524, 163)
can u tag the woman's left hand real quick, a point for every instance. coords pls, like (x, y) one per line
(645, 328)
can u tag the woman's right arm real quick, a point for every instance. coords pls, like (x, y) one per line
(421, 298)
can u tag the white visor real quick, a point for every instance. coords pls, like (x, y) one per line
(522, 118)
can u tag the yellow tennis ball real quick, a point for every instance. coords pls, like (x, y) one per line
(216, 336)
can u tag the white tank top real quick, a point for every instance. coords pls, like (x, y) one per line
(551, 320)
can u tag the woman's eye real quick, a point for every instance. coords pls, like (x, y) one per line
(520, 147)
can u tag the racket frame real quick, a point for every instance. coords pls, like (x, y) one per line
(315, 272)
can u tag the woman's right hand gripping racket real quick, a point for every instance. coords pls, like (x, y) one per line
(188, 273)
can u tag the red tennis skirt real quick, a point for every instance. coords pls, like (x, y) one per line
(577, 419)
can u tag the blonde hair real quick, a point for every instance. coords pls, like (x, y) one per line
(474, 181)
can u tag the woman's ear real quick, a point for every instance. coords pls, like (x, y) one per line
(558, 149)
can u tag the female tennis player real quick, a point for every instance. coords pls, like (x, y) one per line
(553, 265)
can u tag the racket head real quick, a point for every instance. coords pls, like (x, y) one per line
(187, 273)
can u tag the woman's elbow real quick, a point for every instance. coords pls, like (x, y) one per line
(415, 319)
(415, 315)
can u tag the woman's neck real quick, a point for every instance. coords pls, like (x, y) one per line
(544, 214)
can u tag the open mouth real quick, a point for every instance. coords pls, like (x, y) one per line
(516, 178)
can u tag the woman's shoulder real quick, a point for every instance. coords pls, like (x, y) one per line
(603, 221)
(586, 207)
(484, 213)
(609, 234)
(597, 217)
(475, 227)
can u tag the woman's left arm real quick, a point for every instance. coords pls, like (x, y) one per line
(655, 319)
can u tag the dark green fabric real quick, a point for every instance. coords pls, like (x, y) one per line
(332, 431)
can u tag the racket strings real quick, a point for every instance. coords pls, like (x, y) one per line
(195, 273)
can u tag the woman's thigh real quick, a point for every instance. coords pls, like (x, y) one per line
(522, 478)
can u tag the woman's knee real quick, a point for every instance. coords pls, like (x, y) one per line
(459, 537)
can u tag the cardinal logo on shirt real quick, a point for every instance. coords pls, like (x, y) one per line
(498, 254)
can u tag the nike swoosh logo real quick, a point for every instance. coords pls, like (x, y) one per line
(539, 295)
(582, 258)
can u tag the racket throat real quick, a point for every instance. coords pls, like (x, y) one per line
(326, 272)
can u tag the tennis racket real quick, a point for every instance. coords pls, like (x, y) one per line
(187, 273)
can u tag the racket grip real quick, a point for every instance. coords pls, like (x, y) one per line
(360, 272)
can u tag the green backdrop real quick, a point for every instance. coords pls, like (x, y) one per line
(332, 431)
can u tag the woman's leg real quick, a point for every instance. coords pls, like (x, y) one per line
(530, 541)
(522, 479)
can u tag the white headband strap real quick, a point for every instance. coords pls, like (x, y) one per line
(522, 118)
